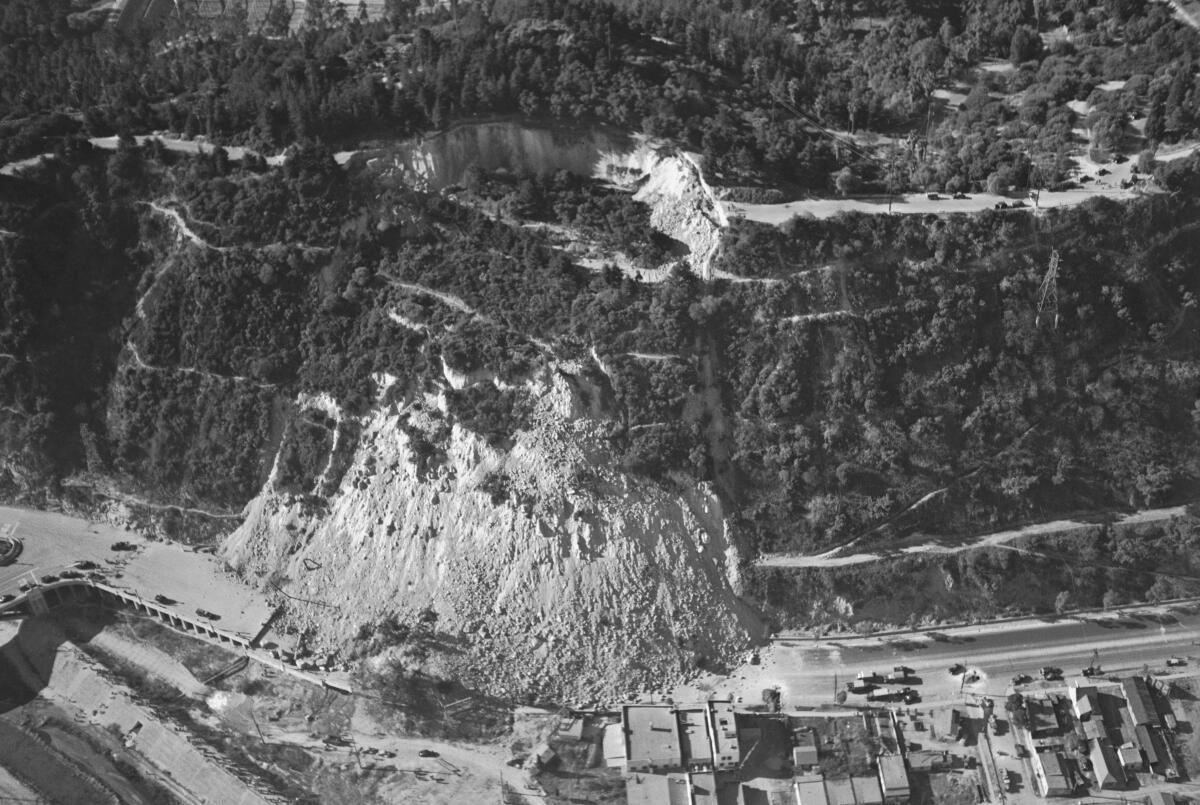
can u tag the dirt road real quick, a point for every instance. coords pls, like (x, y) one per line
(924, 544)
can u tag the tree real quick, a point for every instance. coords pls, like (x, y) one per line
(1062, 602)
(846, 181)
(1025, 45)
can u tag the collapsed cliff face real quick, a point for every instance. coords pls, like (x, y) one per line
(563, 575)
(669, 181)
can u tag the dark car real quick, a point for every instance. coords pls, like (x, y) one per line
(124, 546)
(1102, 172)
(1018, 204)
(933, 196)
(1021, 679)
(70, 574)
(957, 668)
(1050, 672)
(86, 564)
(204, 613)
(961, 197)
(427, 753)
(4, 599)
(910, 696)
(162, 599)
(1120, 159)
(49, 577)
(1001, 205)
(26, 586)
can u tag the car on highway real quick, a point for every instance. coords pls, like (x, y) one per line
(1022, 679)
(49, 578)
(427, 753)
(162, 599)
(1175, 662)
(957, 668)
(204, 613)
(4, 599)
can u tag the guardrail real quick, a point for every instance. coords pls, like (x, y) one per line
(42, 597)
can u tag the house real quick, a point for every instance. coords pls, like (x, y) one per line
(804, 753)
(1106, 766)
(810, 790)
(1141, 704)
(1043, 721)
(1050, 774)
(893, 779)
(651, 737)
(1084, 702)
(839, 791)
(1130, 757)
(950, 725)
(1147, 742)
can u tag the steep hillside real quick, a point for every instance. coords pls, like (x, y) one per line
(563, 575)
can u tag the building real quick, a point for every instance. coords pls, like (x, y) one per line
(1050, 775)
(866, 790)
(696, 737)
(804, 753)
(694, 744)
(928, 761)
(1085, 702)
(810, 790)
(648, 789)
(950, 725)
(1130, 757)
(893, 779)
(1141, 704)
(726, 750)
(1043, 721)
(839, 791)
(703, 788)
(1160, 798)
(1106, 766)
(651, 738)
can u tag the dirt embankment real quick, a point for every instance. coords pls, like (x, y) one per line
(548, 568)
(669, 181)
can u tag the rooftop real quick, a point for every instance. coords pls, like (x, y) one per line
(1141, 704)
(651, 735)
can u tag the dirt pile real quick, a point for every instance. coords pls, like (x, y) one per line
(555, 572)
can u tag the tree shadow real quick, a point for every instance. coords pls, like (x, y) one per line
(27, 660)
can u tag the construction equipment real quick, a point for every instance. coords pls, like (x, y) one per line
(1093, 668)
(1048, 293)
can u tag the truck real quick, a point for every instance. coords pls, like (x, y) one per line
(880, 695)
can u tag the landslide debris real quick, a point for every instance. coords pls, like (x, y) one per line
(549, 569)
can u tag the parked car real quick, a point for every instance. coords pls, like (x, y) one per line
(1050, 672)
(1175, 662)
(4, 599)
(933, 196)
(427, 753)
(961, 197)
(204, 613)
(957, 668)
(1001, 205)
(910, 696)
(85, 564)
(26, 586)
(49, 578)
(1022, 679)
(70, 574)
(124, 546)
(162, 599)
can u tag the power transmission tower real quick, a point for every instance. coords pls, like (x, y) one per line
(1048, 293)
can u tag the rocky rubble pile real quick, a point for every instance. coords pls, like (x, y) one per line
(550, 570)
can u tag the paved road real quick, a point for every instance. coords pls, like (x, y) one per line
(807, 671)
(55, 541)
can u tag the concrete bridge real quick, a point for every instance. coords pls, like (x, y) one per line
(40, 599)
